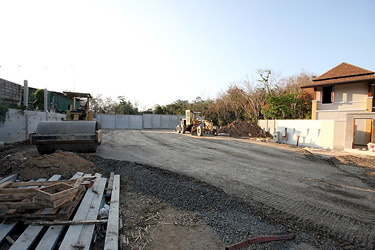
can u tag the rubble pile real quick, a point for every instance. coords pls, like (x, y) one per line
(244, 129)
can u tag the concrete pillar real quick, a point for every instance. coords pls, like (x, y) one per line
(369, 104)
(368, 121)
(25, 93)
(45, 100)
(314, 107)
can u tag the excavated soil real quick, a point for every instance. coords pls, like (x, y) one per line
(244, 129)
(31, 166)
(368, 162)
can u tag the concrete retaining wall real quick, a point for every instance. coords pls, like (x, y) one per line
(325, 134)
(19, 124)
(146, 121)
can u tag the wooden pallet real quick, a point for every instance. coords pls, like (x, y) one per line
(68, 236)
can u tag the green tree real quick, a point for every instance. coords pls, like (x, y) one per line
(286, 106)
(158, 109)
(126, 107)
(39, 99)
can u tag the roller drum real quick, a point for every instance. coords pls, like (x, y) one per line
(76, 136)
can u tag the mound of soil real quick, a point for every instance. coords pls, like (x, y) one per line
(62, 163)
(11, 162)
(244, 129)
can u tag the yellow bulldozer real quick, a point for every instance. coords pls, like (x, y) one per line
(77, 133)
(196, 124)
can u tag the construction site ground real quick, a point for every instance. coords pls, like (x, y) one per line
(188, 192)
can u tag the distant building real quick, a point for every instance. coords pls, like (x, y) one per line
(10, 92)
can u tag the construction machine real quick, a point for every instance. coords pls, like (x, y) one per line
(196, 124)
(78, 133)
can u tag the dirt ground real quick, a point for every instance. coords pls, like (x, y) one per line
(327, 196)
(147, 222)
(184, 192)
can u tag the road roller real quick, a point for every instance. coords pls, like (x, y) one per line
(78, 133)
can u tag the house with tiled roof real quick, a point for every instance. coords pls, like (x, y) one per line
(343, 112)
(345, 88)
(346, 93)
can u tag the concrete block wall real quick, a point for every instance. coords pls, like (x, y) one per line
(18, 124)
(10, 92)
(146, 121)
(153, 121)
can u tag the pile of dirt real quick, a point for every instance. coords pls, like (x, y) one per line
(11, 162)
(65, 164)
(244, 129)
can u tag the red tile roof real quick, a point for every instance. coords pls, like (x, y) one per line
(341, 74)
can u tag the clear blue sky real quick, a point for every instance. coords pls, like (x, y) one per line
(155, 52)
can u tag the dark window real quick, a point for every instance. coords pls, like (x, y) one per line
(327, 94)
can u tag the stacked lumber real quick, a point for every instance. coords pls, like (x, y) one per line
(42, 194)
(59, 214)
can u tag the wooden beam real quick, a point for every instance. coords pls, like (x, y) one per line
(29, 191)
(14, 197)
(110, 184)
(111, 238)
(70, 222)
(45, 183)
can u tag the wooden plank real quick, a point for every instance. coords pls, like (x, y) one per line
(44, 183)
(30, 190)
(110, 185)
(10, 178)
(29, 236)
(88, 209)
(111, 237)
(14, 197)
(26, 204)
(76, 175)
(54, 233)
(70, 222)
(5, 184)
(88, 230)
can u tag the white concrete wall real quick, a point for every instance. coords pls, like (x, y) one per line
(19, 124)
(268, 125)
(146, 121)
(325, 134)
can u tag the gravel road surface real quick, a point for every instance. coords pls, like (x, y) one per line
(301, 191)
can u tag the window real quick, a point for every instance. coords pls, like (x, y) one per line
(328, 94)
